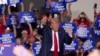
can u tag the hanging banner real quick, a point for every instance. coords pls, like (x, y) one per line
(57, 7)
(83, 32)
(12, 19)
(7, 43)
(67, 26)
(88, 45)
(97, 22)
(25, 17)
(72, 47)
(36, 48)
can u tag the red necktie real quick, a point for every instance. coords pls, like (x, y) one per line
(55, 45)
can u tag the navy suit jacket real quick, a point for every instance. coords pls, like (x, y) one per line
(47, 41)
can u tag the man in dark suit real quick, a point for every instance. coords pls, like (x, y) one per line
(54, 39)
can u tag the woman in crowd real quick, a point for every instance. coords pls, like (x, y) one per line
(82, 20)
(25, 36)
(32, 39)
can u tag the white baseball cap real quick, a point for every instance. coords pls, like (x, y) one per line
(24, 31)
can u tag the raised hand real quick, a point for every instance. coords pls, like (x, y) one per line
(69, 31)
(69, 5)
(22, 7)
(95, 5)
(30, 6)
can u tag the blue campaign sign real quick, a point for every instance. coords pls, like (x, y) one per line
(7, 49)
(57, 7)
(7, 38)
(25, 17)
(12, 19)
(67, 26)
(96, 33)
(14, 1)
(72, 47)
(97, 22)
(47, 4)
(2, 9)
(3, 2)
(36, 48)
(7, 43)
(68, 1)
(88, 45)
(83, 32)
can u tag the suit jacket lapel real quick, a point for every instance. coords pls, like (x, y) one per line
(50, 34)
(59, 36)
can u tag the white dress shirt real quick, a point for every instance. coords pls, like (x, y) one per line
(52, 48)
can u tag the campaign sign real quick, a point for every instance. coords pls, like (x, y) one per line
(14, 1)
(7, 43)
(7, 38)
(36, 48)
(83, 32)
(72, 47)
(12, 19)
(3, 2)
(2, 9)
(68, 1)
(67, 26)
(88, 45)
(97, 22)
(96, 33)
(7, 49)
(25, 17)
(47, 4)
(57, 7)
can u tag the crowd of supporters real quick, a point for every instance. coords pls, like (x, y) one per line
(28, 33)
